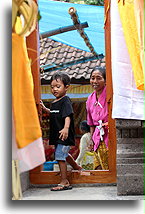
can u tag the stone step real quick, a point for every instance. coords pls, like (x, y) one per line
(130, 160)
(130, 141)
(130, 185)
(128, 124)
(125, 154)
(130, 147)
(130, 169)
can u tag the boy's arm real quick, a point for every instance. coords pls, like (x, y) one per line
(64, 132)
(67, 123)
(44, 108)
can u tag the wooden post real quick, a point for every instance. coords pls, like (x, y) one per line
(33, 45)
(112, 127)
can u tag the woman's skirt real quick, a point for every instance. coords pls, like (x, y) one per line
(101, 157)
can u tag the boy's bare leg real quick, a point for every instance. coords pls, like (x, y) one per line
(63, 173)
(72, 162)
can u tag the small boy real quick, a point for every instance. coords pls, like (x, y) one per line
(61, 127)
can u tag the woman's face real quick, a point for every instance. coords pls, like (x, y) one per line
(97, 81)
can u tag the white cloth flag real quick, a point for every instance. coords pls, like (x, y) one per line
(128, 101)
(30, 156)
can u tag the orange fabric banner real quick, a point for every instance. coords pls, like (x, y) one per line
(27, 127)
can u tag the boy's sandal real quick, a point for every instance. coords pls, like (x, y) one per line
(61, 187)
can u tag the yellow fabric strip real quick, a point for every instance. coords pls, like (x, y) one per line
(74, 89)
(26, 120)
(18, 25)
(106, 13)
(139, 14)
(131, 14)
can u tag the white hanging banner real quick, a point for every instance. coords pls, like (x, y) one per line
(30, 156)
(128, 101)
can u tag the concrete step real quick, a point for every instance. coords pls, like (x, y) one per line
(81, 193)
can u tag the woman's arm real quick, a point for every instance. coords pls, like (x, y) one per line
(92, 129)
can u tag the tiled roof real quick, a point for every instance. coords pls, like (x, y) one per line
(53, 53)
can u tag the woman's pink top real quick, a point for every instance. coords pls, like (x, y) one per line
(97, 110)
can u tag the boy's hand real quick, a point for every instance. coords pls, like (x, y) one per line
(43, 107)
(41, 104)
(63, 134)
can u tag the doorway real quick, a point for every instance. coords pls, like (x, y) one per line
(39, 176)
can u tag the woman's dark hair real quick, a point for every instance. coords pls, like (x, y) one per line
(84, 126)
(102, 70)
(64, 77)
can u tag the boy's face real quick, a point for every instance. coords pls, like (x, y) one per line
(58, 89)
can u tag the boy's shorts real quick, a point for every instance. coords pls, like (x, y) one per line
(61, 152)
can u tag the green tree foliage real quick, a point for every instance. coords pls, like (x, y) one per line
(90, 2)
(94, 2)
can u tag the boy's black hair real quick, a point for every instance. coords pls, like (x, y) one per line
(84, 126)
(64, 77)
(102, 70)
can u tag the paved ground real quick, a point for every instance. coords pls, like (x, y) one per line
(77, 193)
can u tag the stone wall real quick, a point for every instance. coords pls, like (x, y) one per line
(25, 183)
(130, 152)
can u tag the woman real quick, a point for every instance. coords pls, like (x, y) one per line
(97, 116)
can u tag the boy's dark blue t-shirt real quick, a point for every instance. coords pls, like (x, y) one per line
(59, 110)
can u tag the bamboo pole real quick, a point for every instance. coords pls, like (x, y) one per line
(62, 30)
(73, 13)
(16, 183)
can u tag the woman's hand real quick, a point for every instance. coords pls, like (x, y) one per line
(105, 125)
